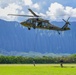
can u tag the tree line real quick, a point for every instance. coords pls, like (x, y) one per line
(38, 60)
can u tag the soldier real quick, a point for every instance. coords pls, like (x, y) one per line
(61, 63)
(34, 63)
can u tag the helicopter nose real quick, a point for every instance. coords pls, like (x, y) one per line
(21, 23)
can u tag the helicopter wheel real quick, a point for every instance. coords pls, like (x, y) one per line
(29, 28)
(34, 27)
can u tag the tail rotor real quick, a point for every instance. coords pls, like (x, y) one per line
(65, 27)
(66, 21)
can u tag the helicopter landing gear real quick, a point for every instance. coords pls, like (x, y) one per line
(34, 27)
(58, 32)
(29, 28)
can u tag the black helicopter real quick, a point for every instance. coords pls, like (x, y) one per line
(37, 22)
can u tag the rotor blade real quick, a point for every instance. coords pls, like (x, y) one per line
(21, 15)
(63, 20)
(68, 18)
(33, 13)
(69, 23)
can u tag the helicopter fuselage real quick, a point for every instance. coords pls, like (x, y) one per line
(37, 22)
(41, 24)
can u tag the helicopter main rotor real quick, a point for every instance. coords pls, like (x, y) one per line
(34, 14)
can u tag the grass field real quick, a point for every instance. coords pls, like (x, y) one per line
(39, 69)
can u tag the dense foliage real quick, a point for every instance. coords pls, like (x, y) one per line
(41, 60)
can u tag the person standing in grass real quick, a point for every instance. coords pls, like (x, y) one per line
(61, 63)
(34, 63)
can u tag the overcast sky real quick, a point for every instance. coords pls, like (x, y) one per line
(53, 10)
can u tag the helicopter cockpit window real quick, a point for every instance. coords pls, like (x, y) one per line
(29, 21)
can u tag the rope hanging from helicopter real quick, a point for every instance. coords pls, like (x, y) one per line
(35, 40)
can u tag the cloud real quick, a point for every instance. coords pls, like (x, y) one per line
(70, 11)
(57, 11)
(15, 7)
(36, 5)
(27, 2)
(31, 4)
(11, 8)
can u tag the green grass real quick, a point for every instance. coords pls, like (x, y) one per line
(39, 69)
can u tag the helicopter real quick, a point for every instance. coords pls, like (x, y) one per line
(37, 22)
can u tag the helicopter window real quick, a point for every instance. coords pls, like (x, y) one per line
(44, 24)
(36, 23)
(28, 21)
(31, 21)
(39, 23)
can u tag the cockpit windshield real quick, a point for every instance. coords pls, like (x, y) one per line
(29, 21)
